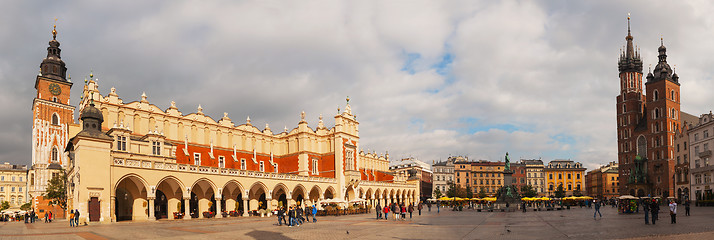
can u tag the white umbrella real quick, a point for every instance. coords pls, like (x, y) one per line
(332, 200)
(357, 200)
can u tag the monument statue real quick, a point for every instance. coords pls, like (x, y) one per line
(508, 163)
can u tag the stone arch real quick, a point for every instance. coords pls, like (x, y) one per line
(169, 197)
(280, 195)
(202, 197)
(232, 195)
(131, 195)
(350, 194)
(315, 194)
(299, 194)
(329, 193)
(257, 195)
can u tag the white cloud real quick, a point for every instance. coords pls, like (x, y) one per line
(534, 78)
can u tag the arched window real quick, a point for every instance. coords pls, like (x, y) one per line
(656, 113)
(55, 155)
(641, 146)
(624, 108)
(55, 119)
(672, 95)
(656, 95)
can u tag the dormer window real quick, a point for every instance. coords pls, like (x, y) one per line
(156, 148)
(197, 159)
(221, 161)
(262, 166)
(242, 164)
(121, 143)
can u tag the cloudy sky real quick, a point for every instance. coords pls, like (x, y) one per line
(427, 79)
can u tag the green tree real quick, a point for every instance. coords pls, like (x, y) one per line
(26, 207)
(528, 191)
(4, 205)
(437, 193)
(57, 190)
(560, 192)
(469, 193)
(577, 192)
(482, 193)
(453, 189)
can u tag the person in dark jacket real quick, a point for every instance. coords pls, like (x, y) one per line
(291, 217)
(379, 211)
(298, 215)
(655, 210)
(686, 208)
(646, 209)
(281, 216)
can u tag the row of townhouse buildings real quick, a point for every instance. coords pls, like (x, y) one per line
(693, 169)
(488, 176)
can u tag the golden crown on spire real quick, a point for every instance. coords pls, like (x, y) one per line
(54, 30)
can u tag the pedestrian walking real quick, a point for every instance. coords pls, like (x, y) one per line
(597, 209)
(686, 208)
(411, 209)
(437, 207)
(646, 209)
(403, 210)
(523, 206)
(673, 211)
(378, 210)
(421, 204)
(428, 205)
(47, 219)
(654, 208)
(281, 216)
(76, 218)
(298, 215)
(71, 217)
(50, 216)
(396, 211)
(385, 210)
(314, 212)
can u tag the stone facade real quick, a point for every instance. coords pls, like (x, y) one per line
(416, 170)
(13, 185)
(701, 167)
(603, 182)
(534, 175)
(135, 161)
(444, 173)
(569, 174)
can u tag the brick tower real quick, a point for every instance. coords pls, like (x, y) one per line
(52, 115)
(646, 122)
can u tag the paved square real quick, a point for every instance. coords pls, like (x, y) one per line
(576, 223)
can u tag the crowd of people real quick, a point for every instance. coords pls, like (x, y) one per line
(399, 211)
(296, 215)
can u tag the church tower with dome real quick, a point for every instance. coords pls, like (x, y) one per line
(52, 118)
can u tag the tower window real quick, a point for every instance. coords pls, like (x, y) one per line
(315, 170)
(624, 108)
(55, 155)
(656, 95)
(55, 119)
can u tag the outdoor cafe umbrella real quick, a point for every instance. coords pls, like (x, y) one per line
(357, 200)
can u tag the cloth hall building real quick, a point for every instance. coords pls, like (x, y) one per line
(135, 161)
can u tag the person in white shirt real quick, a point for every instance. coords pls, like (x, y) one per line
(673, 211)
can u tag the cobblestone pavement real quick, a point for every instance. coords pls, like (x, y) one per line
(576, 223)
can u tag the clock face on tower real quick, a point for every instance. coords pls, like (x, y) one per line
(55, 89)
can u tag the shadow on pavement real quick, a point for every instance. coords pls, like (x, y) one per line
(266, 235)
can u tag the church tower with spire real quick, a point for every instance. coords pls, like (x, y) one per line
(52, 116)
(646, 123)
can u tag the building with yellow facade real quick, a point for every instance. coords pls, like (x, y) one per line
(566, 173)
(13, 185)
(135, 161)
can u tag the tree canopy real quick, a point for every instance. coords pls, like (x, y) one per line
(57, 190)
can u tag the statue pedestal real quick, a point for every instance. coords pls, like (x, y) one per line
(507, 197)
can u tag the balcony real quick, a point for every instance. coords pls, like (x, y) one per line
(704, 154)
